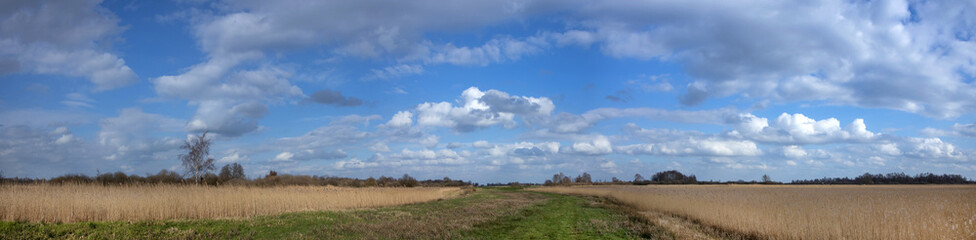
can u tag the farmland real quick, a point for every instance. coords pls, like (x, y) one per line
(808, 212)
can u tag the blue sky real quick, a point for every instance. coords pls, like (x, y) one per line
(493, 91)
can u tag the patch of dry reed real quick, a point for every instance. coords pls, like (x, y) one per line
(810, 212)
(73, 203)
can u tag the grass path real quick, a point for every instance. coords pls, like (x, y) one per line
(496, 213)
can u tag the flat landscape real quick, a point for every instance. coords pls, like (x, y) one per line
(487, 213)
(567, 212)
(498, 119)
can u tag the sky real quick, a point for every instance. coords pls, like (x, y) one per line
(491, 91)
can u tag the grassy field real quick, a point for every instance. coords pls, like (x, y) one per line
(808, 212)
(91, 202)
(496, 213)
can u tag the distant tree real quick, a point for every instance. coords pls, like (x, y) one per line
(196, 160)
(370, 182)
(408, 181)
(638, 178)
(271, 173)
(232, 171)
(561, 179)
(865, 179)
(766, 179)
(583, 178)
(614, 180)
(673, 177)
(548, 182)
(164, 176)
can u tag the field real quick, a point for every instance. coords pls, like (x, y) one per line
(488, 213)
(578, 212)
(91, 202)
(808, 212)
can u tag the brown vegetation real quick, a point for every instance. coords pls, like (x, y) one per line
(810, 212)
(90, 202)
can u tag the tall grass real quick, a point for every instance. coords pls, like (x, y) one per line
(89, 202)
(810, 212)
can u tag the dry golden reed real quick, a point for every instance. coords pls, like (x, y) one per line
(810, 212)
(89, 202)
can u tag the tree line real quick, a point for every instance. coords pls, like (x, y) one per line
(891, 178)
(676, 177)
(234, 176)
(663, 177)
(198, 166)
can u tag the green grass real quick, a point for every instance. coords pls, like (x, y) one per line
(561, 217)
(489, 213)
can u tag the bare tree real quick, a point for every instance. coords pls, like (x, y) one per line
(197, 160)
(231, 171)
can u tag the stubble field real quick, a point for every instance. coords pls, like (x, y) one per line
(809, 212)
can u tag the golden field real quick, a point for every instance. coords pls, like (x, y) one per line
(89, 202)
(809, 212)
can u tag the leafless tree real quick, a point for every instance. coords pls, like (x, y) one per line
(196, 160)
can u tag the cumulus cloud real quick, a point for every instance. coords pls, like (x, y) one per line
(695, 147)
(62, 38)
(33, 151)
(930, 148)
(229, 105)
(480, 109)
(335, 98)
(794, 152)
(227, 120)
(888, 54)
(799, 129)
(599, 145)
(129, 135)
(401, 119)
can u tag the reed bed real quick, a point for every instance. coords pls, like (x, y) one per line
(90, 202)
(810, 212)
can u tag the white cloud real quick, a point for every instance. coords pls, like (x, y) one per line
(968, 130)
(887, 54)
(599, 145)
(354, 164)
(794, 151)
(309, 155)
(482, 109)
(930, 148)
(395, 72)
(130, 136)
(799, 129)
(221, 118)
(236, 157)
(342, 131)
(78, 100)
(570, 123)
(694, 147)
(401, 119)
(63, 38)
(495, 50)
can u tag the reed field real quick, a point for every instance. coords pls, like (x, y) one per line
(809, 212)
(90, 202)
